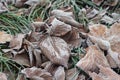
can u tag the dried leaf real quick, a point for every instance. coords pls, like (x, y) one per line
(37, 74)
(98, 30)
(4, 37)
(3, 76)
(16, 42)
(115, 56)
(22, 59)
(39, 26)
(72, 38)
(3, 7)
(92, 13)
(111, 61)
(59, 74)
(102, 43)
(98, 2)
(108, 20)
(66, 17)
(93, 57)
(59, 28)
(113, 37)
(72, 74)
(111, 3)
(106, 73)
(55, 49)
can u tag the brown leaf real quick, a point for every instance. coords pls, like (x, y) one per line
(102, 43)
(98, 2)
(16, 42)
(22, 59)
(111, 61)
(3, 76)
(66, 17)
(112, 3)
(4, 37)
(37, 74)
(55, 49)
(98, 30)
(59, 28)
(106, 73)
(38, 26)
(71, 74)
(115, 56)
(93, 57)
(3, 7)
(72, 38)
(113, 36)
(59, 74)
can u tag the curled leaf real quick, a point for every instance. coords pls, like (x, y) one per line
(55, 49)
(93, 57)
(102, 43)
(59, 28)
(59, 74)
(36, 74)
(66, 17)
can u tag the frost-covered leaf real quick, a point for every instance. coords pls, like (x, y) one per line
(66, 17)
(106, 73)
(55, 49)
(4, 37)
(59, 73)
(3, 76)
(16, 42)
(93, 57)
(59, 28)
(36, 74)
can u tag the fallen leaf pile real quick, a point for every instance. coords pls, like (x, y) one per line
(47, 50)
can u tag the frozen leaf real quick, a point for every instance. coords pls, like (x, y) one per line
(108, 20)
(36, 2)
(66, 17)
(93, 57)
(32, 2)
(106, 73)
(4, 37)
(19, 3)
(113, 36)
(55, 49)
(59, 28)
(81, 77)
(111, 61)
(102, 43)
(72, 74)
(115, 56)
(3, 7)
(98, 30)
(111, 3)
(92, 14)
(3, 76)
(36, 74)
(39, 26)
(98, 17)
(22, 59)
(16, 42)
(59, 74)
(98, 2)
(72, 38)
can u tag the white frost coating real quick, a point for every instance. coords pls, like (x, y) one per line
(60, 13)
